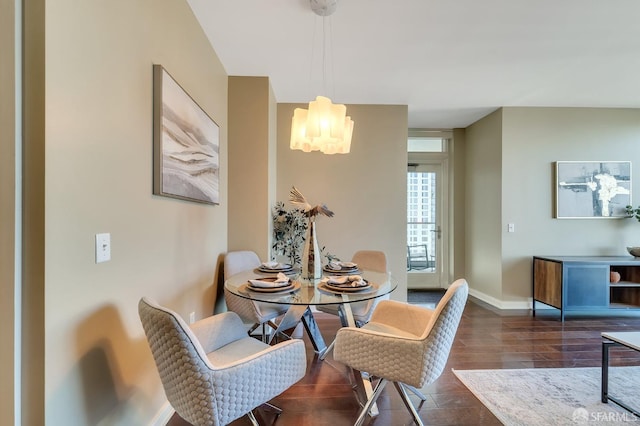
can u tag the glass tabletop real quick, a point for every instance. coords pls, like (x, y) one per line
(310, 292)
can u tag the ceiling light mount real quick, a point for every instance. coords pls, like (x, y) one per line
(324, 7)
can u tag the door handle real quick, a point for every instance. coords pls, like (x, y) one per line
(438, 232)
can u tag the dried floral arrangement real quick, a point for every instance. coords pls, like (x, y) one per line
(296, 198)
(290, 227)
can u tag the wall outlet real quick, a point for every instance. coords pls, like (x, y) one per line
(192, 317)
(103, 248)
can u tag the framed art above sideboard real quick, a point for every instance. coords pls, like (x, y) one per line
(592, 189)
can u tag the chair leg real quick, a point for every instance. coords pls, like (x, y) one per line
(407, 403)
(327, 350)
(256, 325)
(372, 400)
(272, 325)
(264, 414)
(252, 418)
(417, 392)
(274, 409)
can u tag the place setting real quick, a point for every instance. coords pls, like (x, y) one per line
(273, 267)
(346, 284)
(279, 284)
(338, 267)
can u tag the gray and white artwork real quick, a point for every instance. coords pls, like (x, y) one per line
(590, 189)
(189, 141)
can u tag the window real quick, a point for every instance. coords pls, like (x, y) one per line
(421, 209)
(425, 144)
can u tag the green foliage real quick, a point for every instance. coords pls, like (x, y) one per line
(330, 257)
(289, 228)
(631, 212)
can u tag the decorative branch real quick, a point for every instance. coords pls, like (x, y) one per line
(296, 198)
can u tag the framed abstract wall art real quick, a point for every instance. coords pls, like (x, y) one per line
(592, 189)
(186, 144)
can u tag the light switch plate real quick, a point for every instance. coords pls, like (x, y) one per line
(103, 248)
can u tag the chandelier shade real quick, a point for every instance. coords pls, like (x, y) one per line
(324, 127)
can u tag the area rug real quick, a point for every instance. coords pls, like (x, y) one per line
(555, 396)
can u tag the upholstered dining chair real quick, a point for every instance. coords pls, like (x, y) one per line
(403, 344)
(256, 313)
(371, 260)
(212, 371)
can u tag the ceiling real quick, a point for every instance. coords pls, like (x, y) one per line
(451, 61)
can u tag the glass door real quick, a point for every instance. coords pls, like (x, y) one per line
(425, 226)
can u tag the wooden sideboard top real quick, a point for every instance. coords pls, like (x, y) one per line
(609, 260)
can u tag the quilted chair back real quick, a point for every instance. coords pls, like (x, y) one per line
(180, 359)
(371, 260)
(234, 263)
(441, 331)
(239, 261)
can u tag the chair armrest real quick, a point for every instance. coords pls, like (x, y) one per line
(397, 358)
(410, 318)
(218, 330)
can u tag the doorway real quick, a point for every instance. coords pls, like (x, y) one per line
(427, 224)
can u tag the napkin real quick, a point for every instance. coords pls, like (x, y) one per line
(347, 281)
(271, 264)
(337, 265)
(281, 280)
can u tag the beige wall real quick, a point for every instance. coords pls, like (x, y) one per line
(252, 146)
(366, 189)
(533, 139)
(32, 315)
(99, 368)
(510, 158)
(483, 197)
(7, 207)
(457, 207)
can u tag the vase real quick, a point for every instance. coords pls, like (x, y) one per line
(311, 263)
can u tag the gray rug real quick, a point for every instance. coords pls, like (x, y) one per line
(555, 396)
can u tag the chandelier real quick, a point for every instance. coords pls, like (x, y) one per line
(324, 126)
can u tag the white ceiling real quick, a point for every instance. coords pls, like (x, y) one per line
(451, 61)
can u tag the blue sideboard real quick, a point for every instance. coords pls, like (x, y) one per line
(583, 283)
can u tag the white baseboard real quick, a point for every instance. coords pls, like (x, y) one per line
(500, 304)
(163, 416)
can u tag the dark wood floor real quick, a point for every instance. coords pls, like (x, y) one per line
(487, 339)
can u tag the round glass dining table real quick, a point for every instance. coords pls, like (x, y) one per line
(310, 292)
(305, 293)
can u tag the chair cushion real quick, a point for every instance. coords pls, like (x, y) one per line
(387, 329)
(235, 351)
